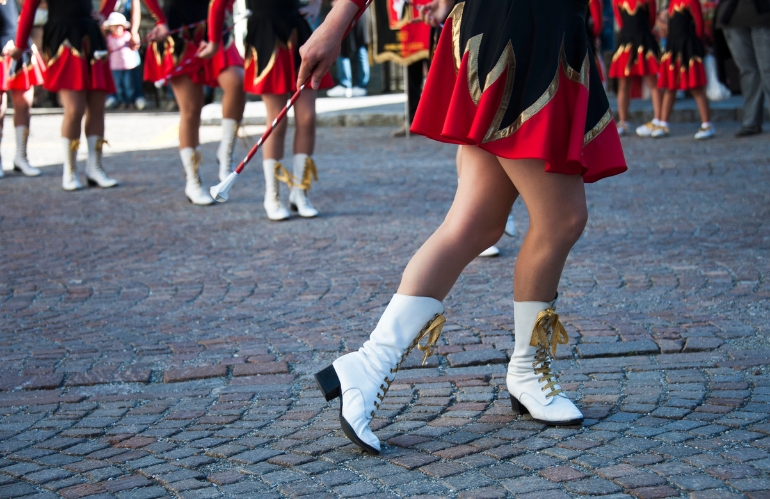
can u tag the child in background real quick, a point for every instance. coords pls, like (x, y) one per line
(123, 59)
(681, 67)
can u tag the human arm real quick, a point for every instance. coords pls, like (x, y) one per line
(616, 10)
(107, 6)
(26, 19)
(160, 31)
(697, 15)
(596, 15)
(322, 49)
(436, 12)
(653, 7)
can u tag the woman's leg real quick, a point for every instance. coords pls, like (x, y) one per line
(669, 96)
(74, 104)
(3, 109)
(624, 98)
(233, 103)
(699, 94)
(476, 221)
(492, 250)
(304, 168)
(189, 97)
(95, 114)
(655, 94)
(272, 153)
(22, 103)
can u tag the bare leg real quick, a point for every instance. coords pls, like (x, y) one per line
(655, 94)
(74, 104)
(669, 96)
(273, 148)
(475, 222)
(305, 118)
(95, 114)
(22, 103)
(234, 99)
(699, 94)
(189, 97)
(624, 98)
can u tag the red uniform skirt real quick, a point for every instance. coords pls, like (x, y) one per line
(176, 57)
(681, 67)
(638, 51)
(77, 56)
(24, 74)
(275, 33)
(521, 89)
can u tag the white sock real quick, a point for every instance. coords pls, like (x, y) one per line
(656, 121)
(663, 123)
(706, 124)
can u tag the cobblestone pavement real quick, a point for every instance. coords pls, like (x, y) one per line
(151, 348)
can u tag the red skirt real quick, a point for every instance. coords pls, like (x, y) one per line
(674, 75)
(633, 61)
(517, 104)
(280, 74)
(30, 72)
(168, 61)
(69, 69)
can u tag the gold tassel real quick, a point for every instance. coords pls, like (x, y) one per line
(74, 145)
(100, 143)
(549, 319)
(283, 175)
(432, 331)
(309, 173)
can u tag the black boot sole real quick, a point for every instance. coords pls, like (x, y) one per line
(520, 409)
(329, 384)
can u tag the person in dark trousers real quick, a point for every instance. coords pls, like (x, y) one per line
(746, 24)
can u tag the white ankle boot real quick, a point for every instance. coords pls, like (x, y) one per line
(70, 181)
(226, 148)
(95, 174)
(275, 173)
(304, 173)
(534, 388)
(20, 161)
(362, 378)
(191, 160)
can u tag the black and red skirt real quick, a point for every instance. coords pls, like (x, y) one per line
(77, 56)
(23, 74)
(276, 31)
(638, 52)
(681, 67)
(517, 78)
(176, 57)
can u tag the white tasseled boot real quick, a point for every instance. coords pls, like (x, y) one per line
(70, 181)
(191, 160)
(95, 174)
(226, 147)
(2, 173)
(304, 172)
(275, 173)
(20, 161)
(362, 378)
(534, 388)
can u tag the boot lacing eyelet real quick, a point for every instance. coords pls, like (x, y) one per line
(547, 334)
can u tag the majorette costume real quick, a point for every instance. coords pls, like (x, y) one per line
(76, 52)
(681, 67)
(276, 31)
(19, 76)
(175, 57)
(594, 26)
(515, 78)
(638, 50)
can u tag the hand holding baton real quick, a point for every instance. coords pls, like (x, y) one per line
(221, 191)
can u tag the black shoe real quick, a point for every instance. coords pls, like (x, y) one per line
(748, 131)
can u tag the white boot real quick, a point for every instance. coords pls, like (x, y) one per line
(20, 161)
(363, 377)
(2, 173)
(275, 173)
(69, 181)
(226, 148)
(95, 174)
(304, 173)
(534, 388)
(191, 160)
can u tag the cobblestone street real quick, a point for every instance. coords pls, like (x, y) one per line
(152, 348)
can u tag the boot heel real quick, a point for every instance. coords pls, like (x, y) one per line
(293, 207)
(92, 183)
(518, 407)
(328, 383)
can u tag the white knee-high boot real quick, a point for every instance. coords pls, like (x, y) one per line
(70, 181)
(274, 174)
(20, 161)
(191, 160)
(362, 378)
(304, 172)
(95, 174)
(226, 147)
(534, 388)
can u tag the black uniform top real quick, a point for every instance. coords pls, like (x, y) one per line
(273, 22)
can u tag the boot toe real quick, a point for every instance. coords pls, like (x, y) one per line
(559, 411)
(355, 422)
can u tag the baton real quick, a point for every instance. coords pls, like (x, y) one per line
(221, 191)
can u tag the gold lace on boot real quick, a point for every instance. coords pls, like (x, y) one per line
(309, 173)
(195, 159)
(547, 334)
(432, 332)
(73, 156)
(98, 150)
(281, 174)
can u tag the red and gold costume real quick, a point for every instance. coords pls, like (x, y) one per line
(276, 31)
(594, 25)
(30, 70)
(176, 55)
(518, 79)
(638, 51)
(73, 44)
(681, 67)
